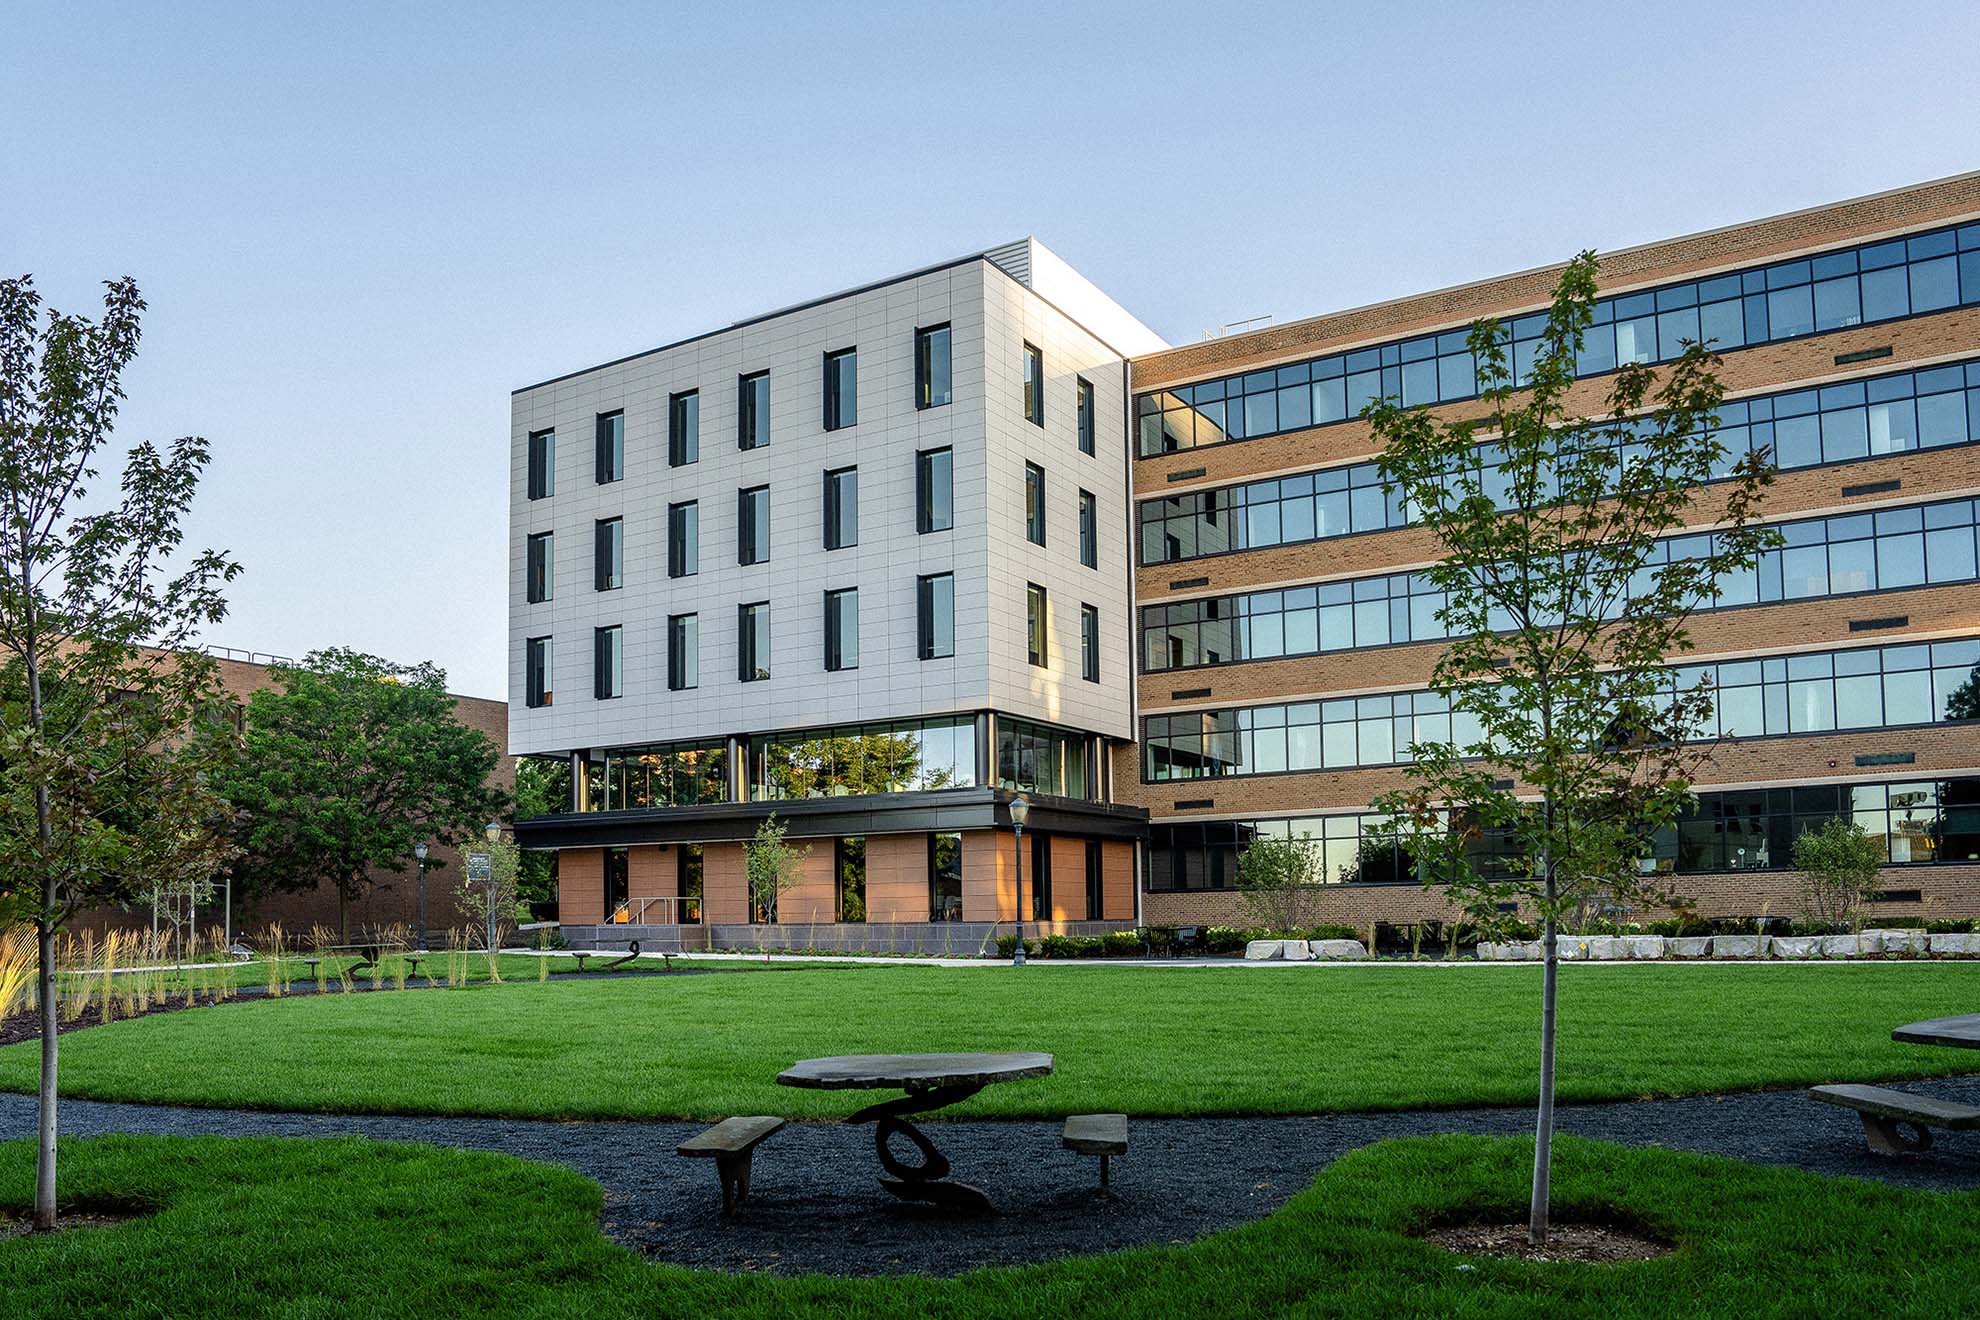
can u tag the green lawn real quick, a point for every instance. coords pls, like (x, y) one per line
(1137, 1040)
(349, 1227)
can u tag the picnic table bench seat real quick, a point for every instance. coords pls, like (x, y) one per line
(1883, 1109)
(1105, 1135)
(731, 1143)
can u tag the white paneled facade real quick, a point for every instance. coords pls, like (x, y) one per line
(991, 315)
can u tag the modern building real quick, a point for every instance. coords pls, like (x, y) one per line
(1285, 641)
(861, 564)
(881, 562)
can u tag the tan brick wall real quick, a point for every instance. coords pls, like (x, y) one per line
(814, 899)
(581, 886)
(1118, 881)
(1922, 206)
(989, 876)
(1068, 878)
(724, 884)
(896, 877)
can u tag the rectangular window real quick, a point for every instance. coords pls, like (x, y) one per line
(607, 656)
(683, 652)
(849, 864)
(1089, 643)
(1034, 504)
(935, 615)
(932, 388)
(934, 490)
(683, 539)
(1096, 893)
(1089, 530)
(753, 525)
(841, 508)
(684, 429)
(753, 411)
(841, 388)
(611, 447)
(1034, 385)
(753, 642)
(536, 672)
(540, 569)
(1041, 877)
(1036, 624)
(689, 867)
(842, 629)
(542, 464)
(618, 880)
(945, 877)
(1086, 426)
(608, 554)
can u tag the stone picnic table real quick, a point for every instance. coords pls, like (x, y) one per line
(930, 1081)
(1961, 1032)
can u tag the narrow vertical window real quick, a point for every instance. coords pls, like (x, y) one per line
(753, 641)
(1086, 428)
(1041, 870)
(608, 554)
(1096, 889)
(849, 861)
(540, 569)
(932, 388)
(689, 868)
(935, 615)
(945, 877)
(1034, 385)
(684, 429)
(683, 652)
(1089, 530)
(542, 464)
(1036, 624)
(683, 539)
(841, 508)
(842, 629)
(606, 663)
(536, 672)
(934, 490)
(1034, 503)
(611, 447)
(1089, 643)
(753, 411)
(841, 389)
(753, 525)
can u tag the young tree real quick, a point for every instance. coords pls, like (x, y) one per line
(1277, 881)
(771, 866)
(472, 897)
(348, 763)
(1839, 866)
(108, 726)
(1569, 735)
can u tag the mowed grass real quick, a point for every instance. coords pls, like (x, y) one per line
(1145, 1041)
(348, 1227)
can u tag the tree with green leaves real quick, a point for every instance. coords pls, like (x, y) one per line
(543, 788)
(1840, 864)
(771, 866)
(111, 721)
(349, 760)
(1279, 880)
(474, 898)
(1569, 739)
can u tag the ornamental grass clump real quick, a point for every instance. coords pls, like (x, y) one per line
(271, 950)
(17, 955)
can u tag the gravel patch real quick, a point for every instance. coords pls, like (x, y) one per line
(816, 1206)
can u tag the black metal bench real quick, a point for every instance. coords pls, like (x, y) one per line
(1885, 1113)
(731, 1143)
(1105, 1135)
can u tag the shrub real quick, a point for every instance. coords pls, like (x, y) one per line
(1160, 939)
(1121, 944)
(1007, 946)
(1333, 932)
(1069, 946)
(1839, 865)
(1223, 939)
(1943, 927)
(1818, 928)
(1680, 927)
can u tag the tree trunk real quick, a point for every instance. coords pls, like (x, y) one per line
(1543, 1133)
(343, 916)
(44, 1166)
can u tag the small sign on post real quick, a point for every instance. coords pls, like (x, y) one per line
(480, 866)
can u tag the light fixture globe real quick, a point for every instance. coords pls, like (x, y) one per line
(1020, 810)
(493, 831)
(420, 850)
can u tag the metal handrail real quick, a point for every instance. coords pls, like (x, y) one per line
(636, 909)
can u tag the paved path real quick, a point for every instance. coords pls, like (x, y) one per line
(815, 1205)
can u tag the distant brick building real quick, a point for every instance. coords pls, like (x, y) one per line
(393, 897)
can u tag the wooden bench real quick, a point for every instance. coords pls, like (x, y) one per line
(1883, 1110)
(730, 1144)
(1104, 1135)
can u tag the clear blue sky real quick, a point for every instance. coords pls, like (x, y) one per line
(359, 230)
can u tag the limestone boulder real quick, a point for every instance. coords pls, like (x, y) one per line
(1846, 946)
(1338, 950)
(1798, 946)
(1264, 950)
(1739, 946)
(1297, 951)
(1645, 947)
(1899, 941)
(1953, 943)
(1689, 946)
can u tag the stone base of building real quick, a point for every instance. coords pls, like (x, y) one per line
(957, 939)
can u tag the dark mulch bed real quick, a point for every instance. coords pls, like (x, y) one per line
(816, 1204)
(1596, 1244)
(13, 1226)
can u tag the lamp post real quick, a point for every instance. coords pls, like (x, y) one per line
(1020, 813)
(493, 832)
(420, 850)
